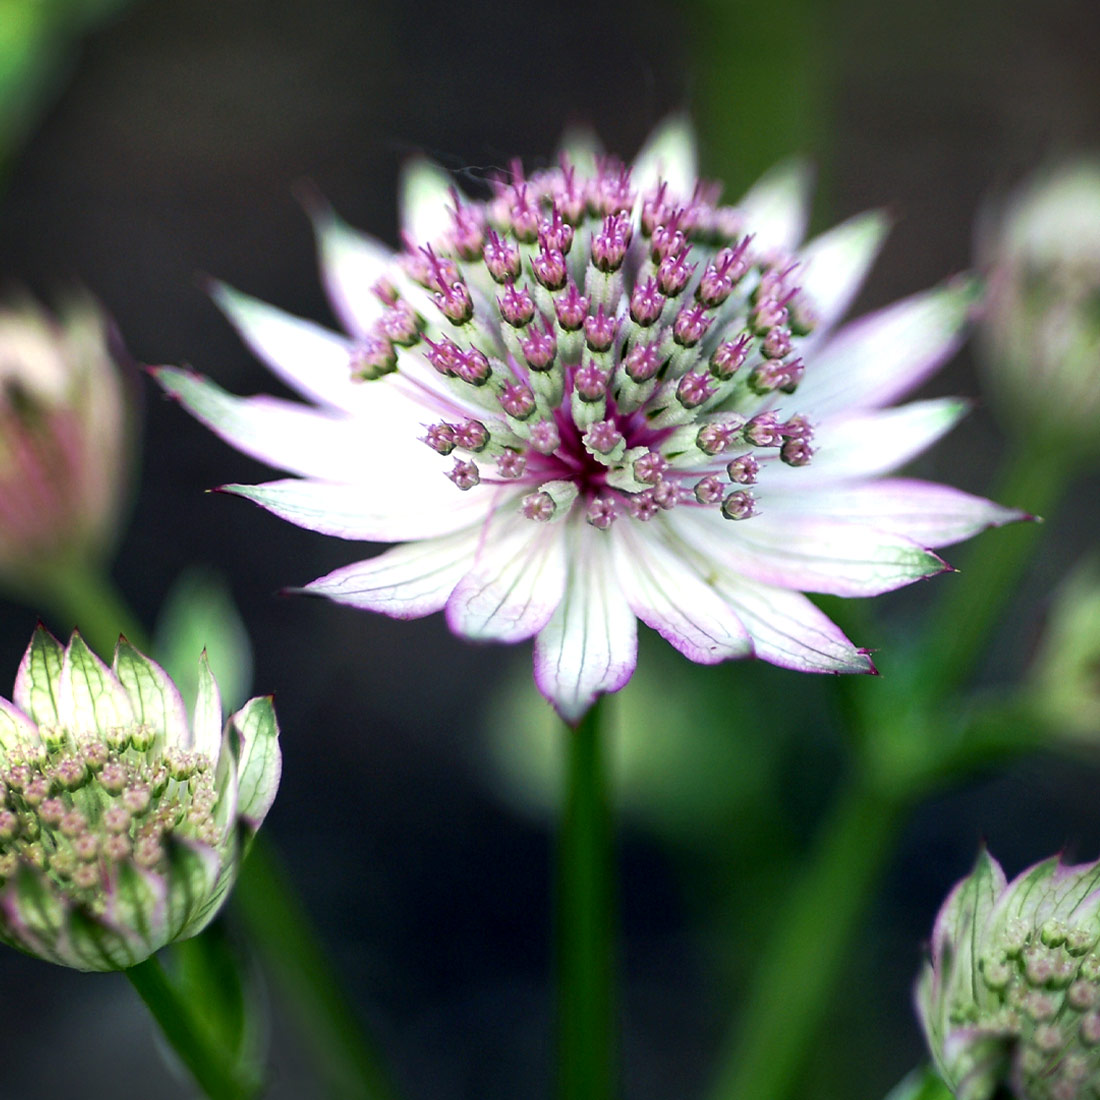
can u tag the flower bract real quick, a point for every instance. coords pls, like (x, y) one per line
(599, 395)
(122, 821)
(1010, 997)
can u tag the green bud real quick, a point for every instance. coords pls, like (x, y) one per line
(140, 839)
(1007, 999)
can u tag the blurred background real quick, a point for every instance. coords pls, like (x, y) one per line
(168, 144)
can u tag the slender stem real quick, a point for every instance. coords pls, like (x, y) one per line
(216, 1073)
(81, 594)
(585, 924)
(1036, 478)
(806, 949)
(284, 935)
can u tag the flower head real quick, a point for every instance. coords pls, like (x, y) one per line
(121, 822)
(64, 436)
(1011, 993)
(612, 399)
(1041, 331)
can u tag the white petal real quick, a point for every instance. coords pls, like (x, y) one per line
(581, 147)
(590, 646)
(832, 268)
(309, 358)
(669, 595)
(407, 582)
(777, 207)
(809, 553)
(876, 359)
(788, 630)
(36, 682)
(15, 727)
(207, 723)
(90, 698)
(284, 434)
(668, 155)
(388, 508)
(515, 584)
(155, 698)
(863, 445)
(929, 514)
(351, 264)
(425, 191)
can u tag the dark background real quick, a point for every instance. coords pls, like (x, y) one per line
(174, 150)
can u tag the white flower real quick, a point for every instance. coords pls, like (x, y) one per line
(646, 413)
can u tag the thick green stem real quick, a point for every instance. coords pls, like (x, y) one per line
(215, 1071)
(1036, 478)
(284, 936)
(585, 899)
(806, 950)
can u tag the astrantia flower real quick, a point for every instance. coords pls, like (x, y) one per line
(121, 822)
(1011, 994)
(598, 396)
(64, 437)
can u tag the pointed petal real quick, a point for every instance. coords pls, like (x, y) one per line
(284, 434)
(777, 207)
(788, 630)
(259, 762)
(155, 699)
(880, 357)
(425, 191)
(590, 645)
(206, 727)
(668, 155)
(193, 871)
(515, 584)
(39, 677)
(311, 359)
(15, 727)
(351, 264)
(864, 445)
(668, 594)
(407, 582)
(810, 553)
(388, 509)
(89, 697)
(929, 514)
(832, 268)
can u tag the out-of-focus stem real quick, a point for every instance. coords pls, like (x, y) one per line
(585, 938)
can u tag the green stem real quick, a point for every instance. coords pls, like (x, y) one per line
(284, 935)
(1036, 478)
(217, 1075)
(585, 924)
(806, 949)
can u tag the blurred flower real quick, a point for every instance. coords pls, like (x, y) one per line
(600, 396)
(64, 437)
(1041, 332)
(1065, 676)
(121, 823)
(1011, 994)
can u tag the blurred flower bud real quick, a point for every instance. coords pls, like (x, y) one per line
(1041, 332)
(121, 822)
(1065, 676)
(65, 437)
(1010, 998)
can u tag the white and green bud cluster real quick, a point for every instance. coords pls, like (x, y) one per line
(1041, 332)
(1010, 998)
(122, 823)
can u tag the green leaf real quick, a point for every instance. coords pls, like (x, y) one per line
(921, 1084)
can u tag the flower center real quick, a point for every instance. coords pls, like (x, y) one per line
(75, 808)
(604, 350)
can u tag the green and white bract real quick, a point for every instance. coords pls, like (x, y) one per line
(122, 824)
(599, 396)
